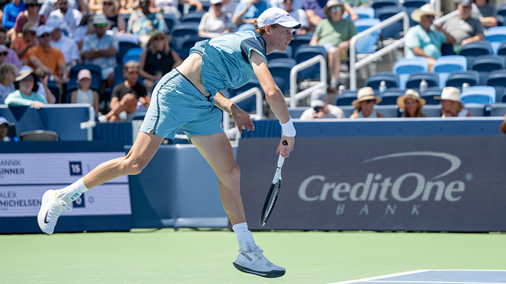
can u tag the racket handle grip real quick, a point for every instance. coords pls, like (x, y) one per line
(281, 160)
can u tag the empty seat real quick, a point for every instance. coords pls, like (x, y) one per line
(306, 52)
(378, 4)
(457, 79)
(170, 20)
(346, 98)
(192, 17)
(184, 29)
(478, 95)
(391, 80)
(278, 54)
(502, 49)
(498, 110)
(446, 64)
(497, 79)
(495, 35)
(502, 10)
(368, 43)
(406, 66)
(388, 110)
(299, 40)
(280, 71)
(124, 47)
(432, 96)
(432, 110)
(415, 3)
(187, 44)
(476, 48)
(364, 12)
(415, 80)
(475, 109)
(393, 30)
(487, 63)
(390, 96)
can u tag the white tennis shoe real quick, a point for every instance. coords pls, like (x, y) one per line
(53, 204)
(251, 260)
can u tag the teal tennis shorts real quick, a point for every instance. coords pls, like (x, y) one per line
(177, 104)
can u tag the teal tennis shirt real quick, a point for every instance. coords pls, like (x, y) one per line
(226, 60)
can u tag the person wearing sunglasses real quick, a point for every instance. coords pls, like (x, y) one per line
(315, 11)
(426, 39)
(110, 10)
(215, 22)
(143, 22)
(25, 94)
(334, 34)
(31, 15)
(11, 12)
(70, 17)
(49, 6)
(22, 44)
(12, 57)
(365, 102)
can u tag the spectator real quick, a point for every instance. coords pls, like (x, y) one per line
(110, 9)
(142, 22)
(4, 131)
(100, 49)
(61, 42)
(299, 15)
(365, 104)
(12, 57)
(229, 6)
(42, 88)
(85, 95)
(171, 6)
(49, 6)
(11, 12)
(464, 29)
(125, 6)
(246, 13)
(422, 40)
(31, 15)
(451, 106)
(125, 95)
(25, 94)
(157, 60)
(334, 34)
(45, 59)
(94, 6)
(7, 78)
(85, 28)
(296, 4)
(315, 11)
(486, 13)
(22, 44)
(320, 107)
(358, 3)
(70, 17)
(215, 22)
(2, 5)
(411, 103)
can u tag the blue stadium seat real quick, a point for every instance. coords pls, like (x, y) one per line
(185, 29)
(476, 48)
(280, 70)
(478, 95)
(55, 91)
(170, 20)
(502, 49)
(432, 110)
(415, 3)
(502, 97)
(498, 110)
(192, 17)
(126, 17)
(187, 44)
(495, 35)
(475, 109)
(406, 66)
(457, 79)
(393, 30)
(497, 79)
(132, 54)
(390, 96)
(305, 52)
(412, 22)
(432, 96)
(299, 40)
(278, 54)
(249, 104)
(118, 75)
(447, 64)
(96, 76)
(488, 63)
(391, 110)
(416, 78)
(124, 47)
(378, 4)
(502, 10)
(368, 43)
(346, 98)
(391, 80)
(362, 13)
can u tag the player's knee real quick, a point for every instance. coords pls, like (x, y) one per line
(233, 176)
(133, 166)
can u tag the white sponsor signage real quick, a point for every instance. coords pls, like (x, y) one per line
(24, 177)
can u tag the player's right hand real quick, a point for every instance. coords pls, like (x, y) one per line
(285, 150)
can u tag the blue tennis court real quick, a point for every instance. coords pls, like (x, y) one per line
(437, 277)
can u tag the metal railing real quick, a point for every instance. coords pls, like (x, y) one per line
(241, 97)
(294, 97)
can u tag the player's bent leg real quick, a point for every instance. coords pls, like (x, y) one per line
(217, 151)
(54, 202)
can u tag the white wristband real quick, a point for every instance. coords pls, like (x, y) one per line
(288, 129)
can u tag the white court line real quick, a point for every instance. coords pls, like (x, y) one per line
(382, 276)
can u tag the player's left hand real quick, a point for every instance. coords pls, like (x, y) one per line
(241, 118)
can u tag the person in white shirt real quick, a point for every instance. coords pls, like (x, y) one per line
(70, 16)
(215, 22)
(320, 107)
(67, 46)
(298, 14)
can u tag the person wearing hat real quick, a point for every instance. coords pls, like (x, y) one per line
(215, 22)
(411, 103)
(364, 104)
(464, 28)
(334, 34)
(70, 17)
(22, 44)
(158, 59)
(4, 131)
(320, 107)
(63, 43)
(485, 13)
(100, 49)
(143, 22)
(83, 94)
(185, 99)
(247, 12)
(315, 11)
(31, 15)
(451, 106)
(42, 88)
(45, 59)
(424, 39)
(110, 9)
(25, 94)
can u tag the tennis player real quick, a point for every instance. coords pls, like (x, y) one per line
(184, 99)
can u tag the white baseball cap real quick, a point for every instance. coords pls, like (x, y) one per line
(54, 22)
(4, 120)
(44, 29)
(213, 2)
(278, 16)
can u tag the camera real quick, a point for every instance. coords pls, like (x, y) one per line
(318, 109)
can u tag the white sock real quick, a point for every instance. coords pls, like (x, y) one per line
(74, 190)
(244, 236)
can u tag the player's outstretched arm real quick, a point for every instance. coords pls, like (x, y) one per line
(241, 118)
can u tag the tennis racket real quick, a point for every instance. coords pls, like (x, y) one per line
(272, 196)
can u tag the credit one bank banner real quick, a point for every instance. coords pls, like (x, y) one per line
(24, 177)
(452, 183)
